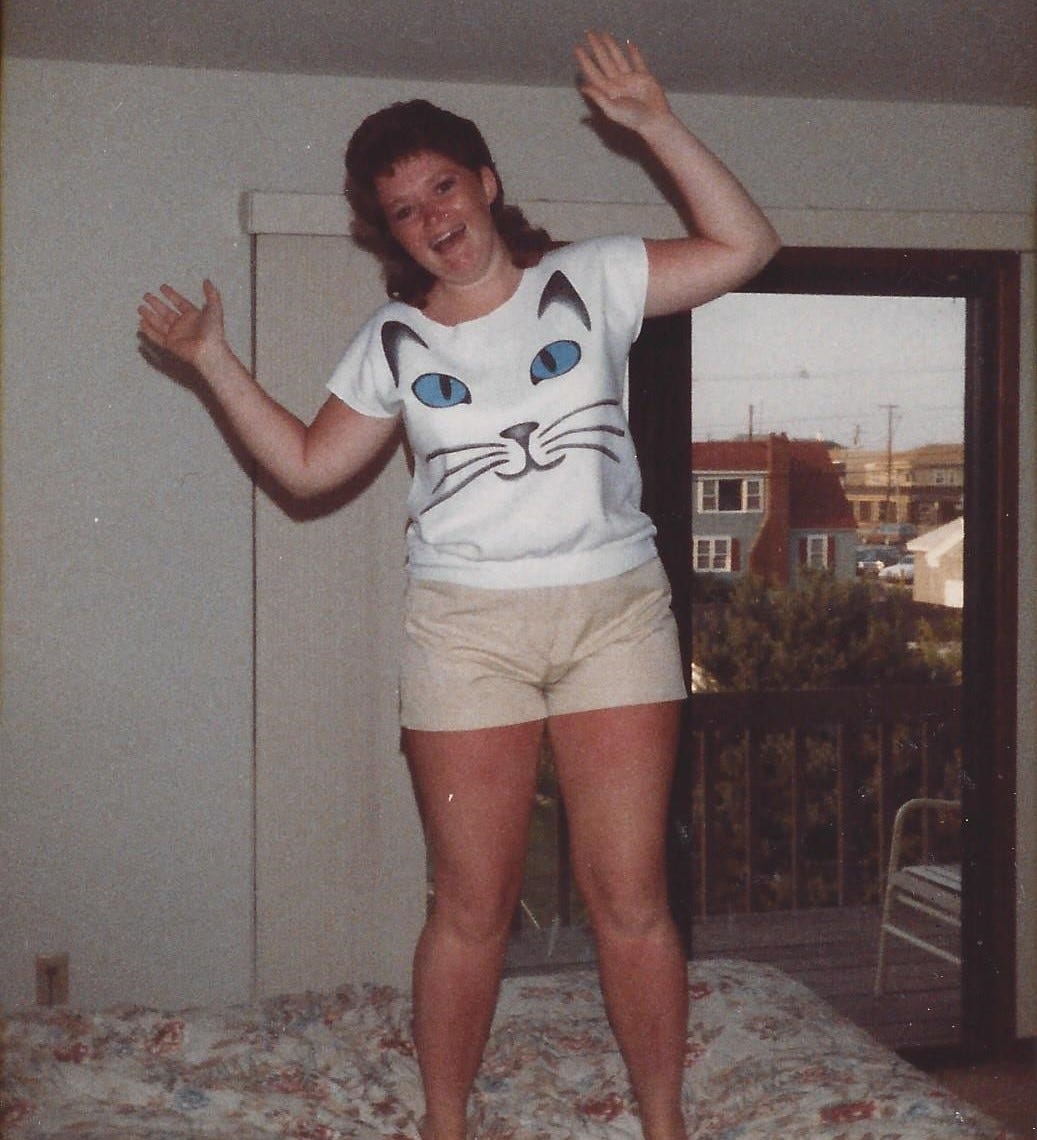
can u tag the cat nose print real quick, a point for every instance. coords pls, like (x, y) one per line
(520, 433)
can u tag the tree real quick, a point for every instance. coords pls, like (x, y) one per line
(822, 633)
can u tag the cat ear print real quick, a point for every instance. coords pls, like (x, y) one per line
(559, 291)
(394, 333)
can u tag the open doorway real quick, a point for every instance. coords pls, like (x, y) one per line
(987, 286)
(828, 456)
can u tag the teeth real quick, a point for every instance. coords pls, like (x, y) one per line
(444, 238)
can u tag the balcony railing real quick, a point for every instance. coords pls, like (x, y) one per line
(785, 800)
(793, 793)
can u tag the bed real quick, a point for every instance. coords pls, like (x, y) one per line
(766, 1059)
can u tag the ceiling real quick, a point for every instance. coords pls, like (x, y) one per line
(957, 51)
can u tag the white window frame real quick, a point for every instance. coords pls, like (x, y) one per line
(751, 494)
(718, 551)
(814, 560)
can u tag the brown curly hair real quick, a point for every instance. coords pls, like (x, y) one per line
(396, 132)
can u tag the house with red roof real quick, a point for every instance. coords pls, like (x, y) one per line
(769, 507)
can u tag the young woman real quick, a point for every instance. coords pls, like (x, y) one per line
(536, 601)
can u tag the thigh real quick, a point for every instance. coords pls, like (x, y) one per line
(471, 659)
(624, 648)
(475, 791)
(615, 769)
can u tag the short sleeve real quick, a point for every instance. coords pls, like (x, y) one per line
(623, 267)
(362, 378)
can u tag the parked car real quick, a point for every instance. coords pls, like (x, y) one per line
(872, 559)
(903, 571)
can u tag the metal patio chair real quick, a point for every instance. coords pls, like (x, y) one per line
(930, 889)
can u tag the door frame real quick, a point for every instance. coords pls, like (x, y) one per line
(661, 418)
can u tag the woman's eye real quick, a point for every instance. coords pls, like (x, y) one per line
(402, 214)
(437, 390)
(446, 185)
(554, 359)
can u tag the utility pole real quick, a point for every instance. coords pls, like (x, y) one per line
(890, 409)
(750, 423)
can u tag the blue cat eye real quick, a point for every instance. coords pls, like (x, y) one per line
(554, 359)
(437, 390)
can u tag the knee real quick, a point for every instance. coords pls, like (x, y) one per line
(627, 910)
(474, 913)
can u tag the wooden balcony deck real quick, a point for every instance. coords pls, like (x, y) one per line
(832, 951)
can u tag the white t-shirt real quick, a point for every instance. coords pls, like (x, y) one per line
(524, 468)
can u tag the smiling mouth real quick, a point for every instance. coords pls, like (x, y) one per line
(451, 237)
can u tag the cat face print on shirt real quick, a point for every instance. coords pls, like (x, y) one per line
(541, 407)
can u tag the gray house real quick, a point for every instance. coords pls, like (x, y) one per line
(771, 507)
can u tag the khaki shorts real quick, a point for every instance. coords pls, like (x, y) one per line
(479, 658)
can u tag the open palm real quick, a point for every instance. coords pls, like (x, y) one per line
(178, 326)
(617, 81)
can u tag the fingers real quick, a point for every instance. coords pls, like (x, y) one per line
(608, 52)
(160, 313)
(636, 58)
(213, 298)
(601, 58)
(155, 316)
(165, 309)
(181, 304)
(615, 78)
(177, 325)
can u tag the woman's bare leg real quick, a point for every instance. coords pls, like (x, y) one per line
(615, 768)
(475, 791)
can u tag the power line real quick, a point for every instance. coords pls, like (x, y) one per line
(800, 375)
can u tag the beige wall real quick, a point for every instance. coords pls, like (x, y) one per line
(126, 787)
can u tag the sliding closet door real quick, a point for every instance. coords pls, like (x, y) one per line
(339, 861)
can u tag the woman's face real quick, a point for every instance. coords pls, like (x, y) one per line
(439, 212)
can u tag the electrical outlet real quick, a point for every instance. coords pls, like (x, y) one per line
(51, 979)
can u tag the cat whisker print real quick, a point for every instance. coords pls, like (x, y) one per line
(551, 443)
(514, 453)
(529, 447)
(489, 455)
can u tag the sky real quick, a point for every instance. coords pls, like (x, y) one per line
(846, 369)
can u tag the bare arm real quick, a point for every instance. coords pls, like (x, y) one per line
(732, 239)
(306, 459)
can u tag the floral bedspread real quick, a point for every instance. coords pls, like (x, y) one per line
(765, 1060)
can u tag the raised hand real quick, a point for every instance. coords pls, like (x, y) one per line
(617, 81)
(178, 326)
(729, 239)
